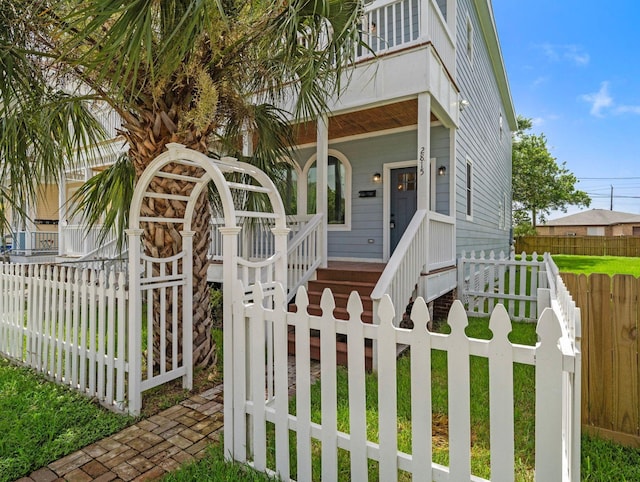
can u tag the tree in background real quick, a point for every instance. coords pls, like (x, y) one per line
(540, 184)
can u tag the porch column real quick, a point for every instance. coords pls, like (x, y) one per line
(62, 223)
(322, 179)
(424, 149)
(89, 240)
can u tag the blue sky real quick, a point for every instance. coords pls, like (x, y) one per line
(574, 68)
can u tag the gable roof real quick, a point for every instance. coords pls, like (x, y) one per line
(595, 217)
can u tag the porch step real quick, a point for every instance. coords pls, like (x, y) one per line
(341, 280)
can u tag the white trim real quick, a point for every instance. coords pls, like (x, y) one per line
(386, 199)
(302, 189)
(468, 189)
(366, 135)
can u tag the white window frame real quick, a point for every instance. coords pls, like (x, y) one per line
(303, 184)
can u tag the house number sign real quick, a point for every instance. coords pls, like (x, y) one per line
(422, 160)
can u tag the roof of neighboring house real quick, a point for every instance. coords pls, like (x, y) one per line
(595, 217)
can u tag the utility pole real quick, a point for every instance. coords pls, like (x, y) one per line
(611, 208)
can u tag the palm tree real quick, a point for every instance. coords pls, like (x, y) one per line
(198, 72)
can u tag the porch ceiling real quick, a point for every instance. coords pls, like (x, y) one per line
(389, 116)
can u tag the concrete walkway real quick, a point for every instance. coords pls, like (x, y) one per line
(154, 446)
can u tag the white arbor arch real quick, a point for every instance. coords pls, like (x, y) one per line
(170, 279)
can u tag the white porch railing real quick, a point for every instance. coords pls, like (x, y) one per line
(78, 242)
(390, 25)
(258, 243)
(400, 276)
(260, 401)
(442, 247)
(303, 254)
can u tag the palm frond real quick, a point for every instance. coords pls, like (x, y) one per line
(104, 200)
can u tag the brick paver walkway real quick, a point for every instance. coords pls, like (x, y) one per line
(154, 446)
(146, 450)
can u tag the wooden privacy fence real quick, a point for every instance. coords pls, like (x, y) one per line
(611, 375)
(260, 391)
(484, 282)
(581, 245)
(68, 324)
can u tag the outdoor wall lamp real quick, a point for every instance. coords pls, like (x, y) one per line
(442, 170)
(464, 103)
(377, 177)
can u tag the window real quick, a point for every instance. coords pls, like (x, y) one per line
(595, 230)
(469, 188)
(469, 39)
(338, 189)
(507, 208)
(288, 187)
(501, 127)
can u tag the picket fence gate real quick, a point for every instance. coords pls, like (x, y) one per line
(260, 391)
(484, 282)
(68, 324)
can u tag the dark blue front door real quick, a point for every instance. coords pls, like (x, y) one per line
(404, 202)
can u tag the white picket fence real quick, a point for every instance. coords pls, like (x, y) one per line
(68, 324)
(484, 282)
(260, 391)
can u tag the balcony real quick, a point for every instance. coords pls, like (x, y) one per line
(393, 25)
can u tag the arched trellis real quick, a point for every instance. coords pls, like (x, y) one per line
(171, 278)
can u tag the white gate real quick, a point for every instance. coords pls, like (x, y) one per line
(161, 289)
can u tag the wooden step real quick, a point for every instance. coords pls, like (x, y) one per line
(344, 287)
(364, 276)
(341, 300)
(341, 351)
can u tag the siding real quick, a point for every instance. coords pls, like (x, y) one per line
(367, 157)
(440, 149)
(478, 138)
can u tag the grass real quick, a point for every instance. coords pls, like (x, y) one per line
(610, 265)
(214, 468)
(42, 421)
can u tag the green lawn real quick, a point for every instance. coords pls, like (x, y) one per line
(610, 265)
(41, 421)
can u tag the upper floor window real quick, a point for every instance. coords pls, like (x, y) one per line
(338, 189)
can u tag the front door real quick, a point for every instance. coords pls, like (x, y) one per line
(403, 202)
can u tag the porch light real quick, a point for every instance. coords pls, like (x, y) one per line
(442, 170)
(377, 177)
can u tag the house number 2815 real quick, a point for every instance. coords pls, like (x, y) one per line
(422, 160)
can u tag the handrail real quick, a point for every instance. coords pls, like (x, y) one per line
(303, 255)
(402, 272)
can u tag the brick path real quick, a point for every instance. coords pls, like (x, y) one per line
(154, 446)
(147, 450)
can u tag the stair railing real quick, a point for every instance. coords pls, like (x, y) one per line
(402, 272)
(304, 255)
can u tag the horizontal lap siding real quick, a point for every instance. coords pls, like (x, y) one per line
(478, 138)
(440, 150)
(367, 156)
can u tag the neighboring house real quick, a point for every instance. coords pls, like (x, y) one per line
(595, 222)
(416, 152)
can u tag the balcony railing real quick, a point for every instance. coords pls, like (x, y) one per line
(391, 25)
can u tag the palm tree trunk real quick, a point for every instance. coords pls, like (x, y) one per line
(148, 135)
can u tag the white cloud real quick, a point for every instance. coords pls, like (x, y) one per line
(537, 121)
(540, 80)
(624, 109)
(599, 100)
(569, 52)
